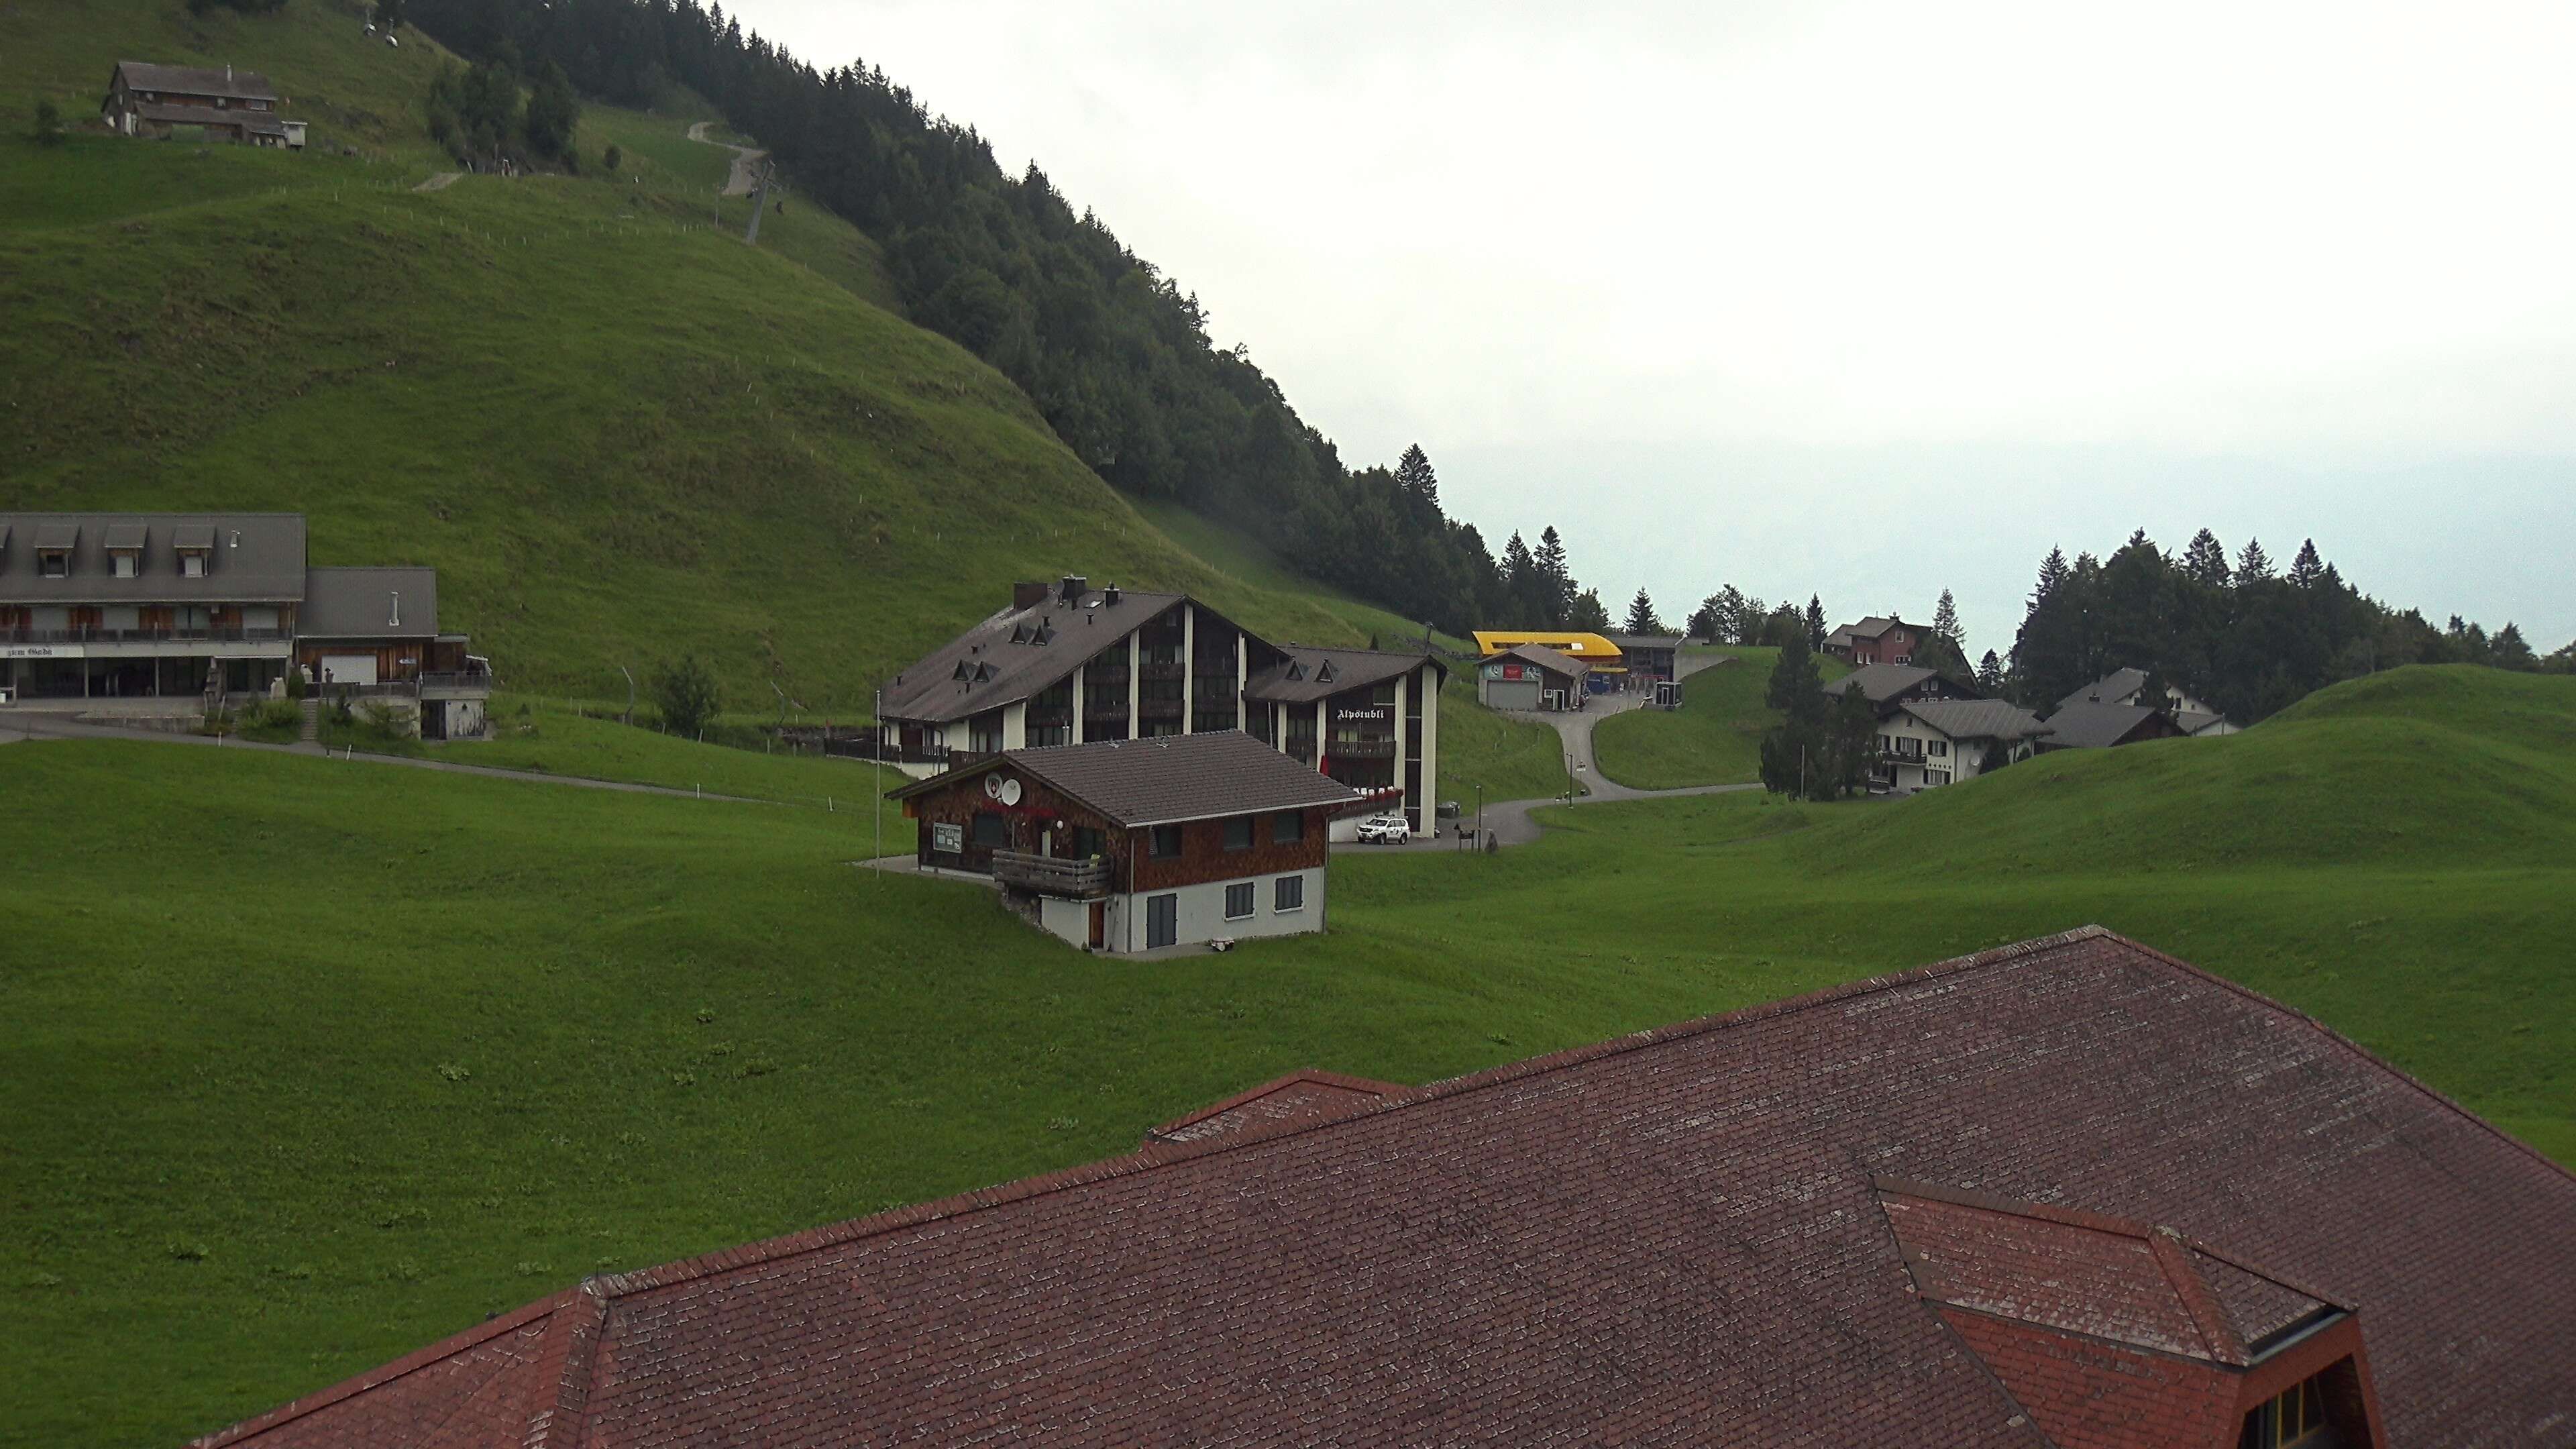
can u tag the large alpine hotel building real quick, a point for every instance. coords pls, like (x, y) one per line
(1069, 664)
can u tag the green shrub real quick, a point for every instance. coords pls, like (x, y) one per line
(686, 694)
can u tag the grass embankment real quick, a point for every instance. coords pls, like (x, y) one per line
(547, 737)
(359, 1054)
(1715, 738)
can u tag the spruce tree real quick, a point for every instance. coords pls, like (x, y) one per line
(1587, 613)
(1795, 683)
(1554, 577)
(1641, 615)
(2253, 565)
(1413, 474)
(2307, 568)
(1816, 630)
(1520, 584)
(1990, 675)
(1945, 623)
(2205, 561)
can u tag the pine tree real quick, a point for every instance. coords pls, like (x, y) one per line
(2253, 565)
(1586, 614)
(2205, 561)
(1413, 474)
(2509, 650)
(1945, 623)
(1990, 675)
(1554, 579)
(2307, 568)
(1520, 585)
(1793, 677)
(1641, 615)
(1816, 630)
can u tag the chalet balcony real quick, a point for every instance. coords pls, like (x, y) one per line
(1106, 676)
(1160, 669)
(1073, 880)
(1160, 708)
(1377, 749)
(455, 683)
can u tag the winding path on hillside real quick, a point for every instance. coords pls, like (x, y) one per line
(441, 181)
(744, 158)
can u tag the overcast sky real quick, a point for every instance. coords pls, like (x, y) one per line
(1867, 299)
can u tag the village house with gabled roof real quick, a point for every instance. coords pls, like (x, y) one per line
(218, 102)
(2091, 726)
(2195, 717)
(1531, 677)
(2068, 1194)
(1925, 743)
(1138, 845)
(1067, 663)
(1877, 640)
(171, 613)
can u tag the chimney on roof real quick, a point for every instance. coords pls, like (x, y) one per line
(1071, 589)
(1109, 596)
(393, 619)
(1024, 596)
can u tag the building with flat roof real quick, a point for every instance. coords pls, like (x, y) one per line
(1068, 663)
(2067, 1194)
(1135, 845)
(201, 607)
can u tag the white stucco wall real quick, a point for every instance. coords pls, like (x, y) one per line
(1200, 913)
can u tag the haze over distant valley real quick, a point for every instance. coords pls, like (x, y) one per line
(1862, 298)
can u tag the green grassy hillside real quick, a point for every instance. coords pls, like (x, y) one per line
(1715, 738)
(450, 1043)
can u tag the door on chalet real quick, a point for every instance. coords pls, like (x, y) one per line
(1162, 921)
(1099, 924)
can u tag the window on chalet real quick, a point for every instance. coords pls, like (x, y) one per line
(991, 829)
(1238, 901)
(1238, 833)
(54, 563)
(192, 565)
(1164, 843)
(1936, 747)
(1087, 843)
(1936, 777)
(1288, 893)
(124, 564)
(2296, 1416)
(1288, 827)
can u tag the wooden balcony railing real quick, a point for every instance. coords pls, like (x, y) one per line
(1080, 880)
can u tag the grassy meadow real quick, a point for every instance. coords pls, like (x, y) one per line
(1715, 738)
(356, 1054)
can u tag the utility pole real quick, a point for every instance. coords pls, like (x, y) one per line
(630, 693)
(876, 771)
(767, 174)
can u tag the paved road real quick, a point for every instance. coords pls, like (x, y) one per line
(744, 157)
(17, 726)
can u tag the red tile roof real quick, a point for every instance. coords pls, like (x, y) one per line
(1296, 1097)
(1673, 1237)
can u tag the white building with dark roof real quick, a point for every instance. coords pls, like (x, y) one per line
(1068, 663)
(191, 608)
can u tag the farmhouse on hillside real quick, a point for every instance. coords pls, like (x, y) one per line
(1071, 664)
(2129, 686)
(1134, 845)
(1531, 677)
(1876, 640)
(2068, 1194)
(1889, 685)
(171, 612)
(1923, 743)
(216, 102)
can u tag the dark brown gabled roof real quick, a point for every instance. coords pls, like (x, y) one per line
(1880, 683)
(1310, 674)
(1674, 1237)
(1018, 652)
(195, 80)
(2098, 726)
(370, 603)
(1977, 719)
(1161, 781)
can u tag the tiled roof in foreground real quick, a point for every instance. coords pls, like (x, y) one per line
(1677, 1237)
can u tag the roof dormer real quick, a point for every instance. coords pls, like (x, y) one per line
(194, 546)
(123, 543)
(54, 545)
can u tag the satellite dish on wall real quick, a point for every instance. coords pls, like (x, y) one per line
(992, 787)
(1010, 792)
